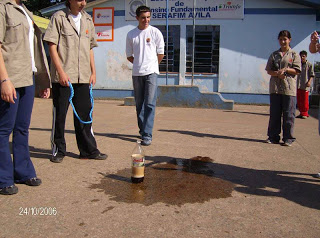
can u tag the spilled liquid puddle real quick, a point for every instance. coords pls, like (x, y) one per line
(170, 181)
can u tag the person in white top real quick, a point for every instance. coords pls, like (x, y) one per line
(145, 49)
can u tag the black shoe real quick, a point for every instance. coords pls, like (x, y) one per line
(57, 158)
(10, 190)
(32, 182)
(299, 116)
(272, 141)
(99, 156)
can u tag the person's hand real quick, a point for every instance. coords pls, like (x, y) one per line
(8, 92)
(308, 84)
(314, 37)
(281, 73)
(64, 79)
(45, 93)
(92, 79)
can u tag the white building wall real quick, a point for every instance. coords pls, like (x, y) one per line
(245, 46)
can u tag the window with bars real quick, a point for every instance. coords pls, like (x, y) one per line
(173, 49)
(207, 42)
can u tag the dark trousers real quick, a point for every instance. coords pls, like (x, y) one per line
(282, 106)
(81, 100)
(15, 118)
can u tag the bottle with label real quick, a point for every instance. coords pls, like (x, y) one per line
(138, 164)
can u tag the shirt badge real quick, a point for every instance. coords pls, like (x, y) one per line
(148, 40)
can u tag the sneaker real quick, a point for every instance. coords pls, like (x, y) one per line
(317, 175)
(304, 117)
(146, 142)
(272, 141)
(287, 143)
(299, 116)
(32, 182)
(10, 190)
(57, 158)
(99, 156)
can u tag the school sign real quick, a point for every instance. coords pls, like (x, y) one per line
(183, 9)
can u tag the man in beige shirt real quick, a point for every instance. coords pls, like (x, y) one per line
(303, 85)
(71, 38)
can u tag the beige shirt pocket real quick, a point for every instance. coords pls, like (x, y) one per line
(14, 32)
(68, 37)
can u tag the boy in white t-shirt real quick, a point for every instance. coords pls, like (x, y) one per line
(145, 49)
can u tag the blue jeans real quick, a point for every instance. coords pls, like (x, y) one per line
(15, 118)
(282, 106)
(145, 94)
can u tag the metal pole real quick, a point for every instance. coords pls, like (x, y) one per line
(167, 45)
(193, 39)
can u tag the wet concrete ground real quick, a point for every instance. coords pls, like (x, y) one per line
(208, 174)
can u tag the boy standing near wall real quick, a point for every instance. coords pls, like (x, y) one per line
(303, 84)
(145, 49)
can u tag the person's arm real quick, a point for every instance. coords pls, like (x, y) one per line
(8, 92)
(130, 59)
(272, 73)
(291, 71)
(309, 82)
(160, 58)
(129, 49)
(314, 45)
(93, 69)
(160, 46)
(310, 75)
(279, 73)
(283, 72)
(63, 77)
(44, 93)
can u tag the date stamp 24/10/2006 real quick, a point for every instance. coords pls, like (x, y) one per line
(37, 211)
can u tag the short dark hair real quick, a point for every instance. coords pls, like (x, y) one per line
(303, 52)
(67, 4)
(284, 33)
(142, 9)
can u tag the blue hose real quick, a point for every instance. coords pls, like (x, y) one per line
(74, 110)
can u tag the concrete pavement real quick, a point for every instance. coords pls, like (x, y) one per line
(209, 174)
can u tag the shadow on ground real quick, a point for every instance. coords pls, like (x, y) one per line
(197, 134)
(177, 181)
(253, 113)
(46, 154)
(131, 138)
(314, 112)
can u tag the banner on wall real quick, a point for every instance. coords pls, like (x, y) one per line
(183, 9)
(103, 19)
